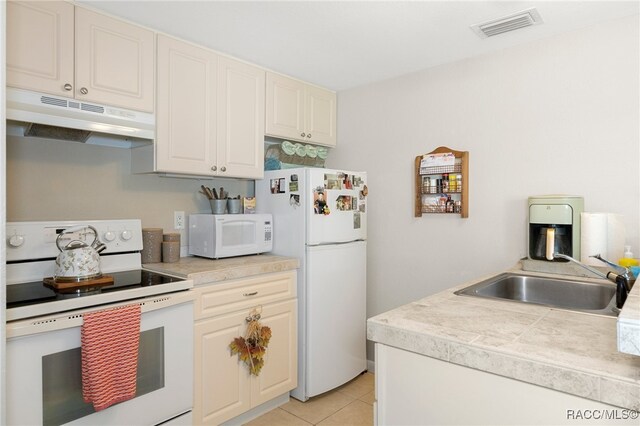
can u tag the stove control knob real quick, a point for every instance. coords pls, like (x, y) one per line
(109, 236)
(16, 240)
(126, 235)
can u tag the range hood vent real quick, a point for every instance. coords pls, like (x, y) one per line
(522, 19)
(32, 114)
(53, 132)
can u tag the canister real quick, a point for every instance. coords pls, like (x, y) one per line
(301, 153)
(322, 156)
(312, 153)
(170, 251)
(151, 245)
(288, 151)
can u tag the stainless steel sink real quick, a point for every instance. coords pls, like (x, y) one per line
(567, 294)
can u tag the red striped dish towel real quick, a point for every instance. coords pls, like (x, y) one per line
(110, 341)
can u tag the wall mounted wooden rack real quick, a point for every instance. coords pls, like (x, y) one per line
(442, 188)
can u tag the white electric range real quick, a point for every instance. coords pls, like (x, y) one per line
(44, 380)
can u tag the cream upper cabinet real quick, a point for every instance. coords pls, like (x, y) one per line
(240, 119)
(223, 387)
(299, 111)
(56, 48)
(40, 46)
(186, 111)
(210, 114)
(114, 62)
(285, 107)
(320, 116)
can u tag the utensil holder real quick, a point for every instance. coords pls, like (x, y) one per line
(170, 251)
(234, 206)
(151, 245)
(218, 206)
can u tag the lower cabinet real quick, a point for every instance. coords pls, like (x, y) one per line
(413, 389)
(224, 388)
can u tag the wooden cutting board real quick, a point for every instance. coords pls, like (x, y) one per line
(60, 284)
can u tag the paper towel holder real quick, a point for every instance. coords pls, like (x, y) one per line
(560, 213)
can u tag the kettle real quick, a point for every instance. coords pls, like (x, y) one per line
(78, 261)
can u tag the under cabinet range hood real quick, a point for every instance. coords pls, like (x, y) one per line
(33, 114)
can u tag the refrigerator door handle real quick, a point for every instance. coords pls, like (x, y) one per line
(334, 243)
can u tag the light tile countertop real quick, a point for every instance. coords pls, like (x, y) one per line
(207, 271)
(571, 352)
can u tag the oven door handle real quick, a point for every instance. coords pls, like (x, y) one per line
(74, 319)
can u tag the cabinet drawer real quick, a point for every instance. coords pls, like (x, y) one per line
(216, 299)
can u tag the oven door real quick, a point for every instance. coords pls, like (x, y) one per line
(44, 375)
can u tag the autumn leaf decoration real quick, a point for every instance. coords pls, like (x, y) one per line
(252, 348)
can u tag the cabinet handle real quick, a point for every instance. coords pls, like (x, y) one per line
(223, 168)
(302, 134)
(255, 317)
(84, 90)
(253, 293)
(214, 168)
(68, 87)
(309, 135)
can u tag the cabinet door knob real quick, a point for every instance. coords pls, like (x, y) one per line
(214, 168)
(223, 168)
(309, 135)
(84, 90)
(68, 87)
(253, 293)
(255, 317)
(302, 134)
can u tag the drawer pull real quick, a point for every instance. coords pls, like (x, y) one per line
(253, 293)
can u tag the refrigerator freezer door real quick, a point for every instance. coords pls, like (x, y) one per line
(337, 211)
(336, 315)
(282, 196)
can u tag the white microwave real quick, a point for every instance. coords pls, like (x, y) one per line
(227, 235)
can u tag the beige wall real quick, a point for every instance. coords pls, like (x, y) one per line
(60, 180)
(560, 115)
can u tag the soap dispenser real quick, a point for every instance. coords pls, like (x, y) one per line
(628, 261)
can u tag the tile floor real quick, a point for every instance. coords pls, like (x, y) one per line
(350, 404)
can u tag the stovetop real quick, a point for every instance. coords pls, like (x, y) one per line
(31, 251)
(34, 299)
(34, 293)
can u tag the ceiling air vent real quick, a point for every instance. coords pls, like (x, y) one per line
(525, 18)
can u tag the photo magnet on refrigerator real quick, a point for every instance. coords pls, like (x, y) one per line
(277, 186)
(293, 185)
(320, 202)
(344, 202)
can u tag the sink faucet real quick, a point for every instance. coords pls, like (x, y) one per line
(621, 279)
(620, 269)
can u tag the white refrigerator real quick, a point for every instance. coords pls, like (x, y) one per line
(320, 217)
